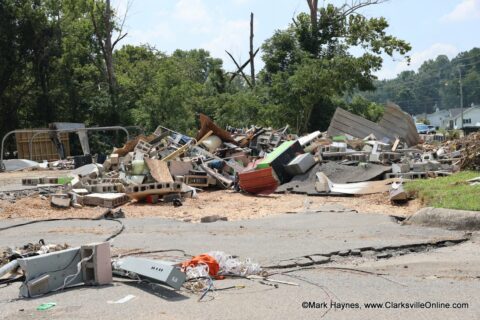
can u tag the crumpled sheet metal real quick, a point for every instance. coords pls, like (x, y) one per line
(358, 188)
(206, 125)
(395, 123)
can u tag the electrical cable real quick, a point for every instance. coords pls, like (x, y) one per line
(9, 281)
(68, 279)
(136, 253)
(118, 232)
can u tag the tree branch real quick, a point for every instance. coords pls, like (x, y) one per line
(239, 69)
(243, 66)
(120, 36)
(355, 5)
(119, 39)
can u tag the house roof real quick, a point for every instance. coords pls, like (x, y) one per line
(459, 113)
(456, 111)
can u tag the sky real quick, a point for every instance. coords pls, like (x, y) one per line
(432, 27)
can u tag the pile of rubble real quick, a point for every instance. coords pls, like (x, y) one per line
(355, 156)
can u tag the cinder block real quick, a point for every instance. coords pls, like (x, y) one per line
(106, 200)
(400, 167)
(31, 181)
(361, 157)
(300, 164)
(114, 160)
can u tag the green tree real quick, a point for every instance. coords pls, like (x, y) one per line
(307, 67)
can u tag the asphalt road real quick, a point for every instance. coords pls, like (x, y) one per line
(437, 276)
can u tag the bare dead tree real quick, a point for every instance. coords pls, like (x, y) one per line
(251, 54)
(236, 73)
(104, 26)
(240, 69)
(251, 60)
(354, 5)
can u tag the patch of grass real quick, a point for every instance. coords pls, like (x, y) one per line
(452, 192)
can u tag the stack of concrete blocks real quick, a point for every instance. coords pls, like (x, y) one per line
(30, 181)
(141, 149)
(390, 156)
(105, 187)
(360, 157)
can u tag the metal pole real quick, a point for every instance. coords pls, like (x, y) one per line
(461, 94)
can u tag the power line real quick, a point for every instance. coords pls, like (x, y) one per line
(438, 70)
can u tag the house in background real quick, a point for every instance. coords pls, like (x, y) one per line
(440, 119)
(471, 119)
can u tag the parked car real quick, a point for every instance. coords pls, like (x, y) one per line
(422, 128)
(432, 129)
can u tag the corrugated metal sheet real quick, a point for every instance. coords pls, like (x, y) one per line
(395, 123)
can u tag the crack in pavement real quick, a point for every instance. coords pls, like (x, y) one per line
(385, 252)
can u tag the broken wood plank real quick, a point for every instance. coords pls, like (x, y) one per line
(159, 170)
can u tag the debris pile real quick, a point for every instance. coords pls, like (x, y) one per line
(167, 166)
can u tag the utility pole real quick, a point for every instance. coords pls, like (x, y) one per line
(251, 53)
(461, 94)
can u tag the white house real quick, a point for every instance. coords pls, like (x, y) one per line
(440, 118)
(471, 118)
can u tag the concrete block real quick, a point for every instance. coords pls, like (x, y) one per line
(197, 180)
(31, 181)
(141, 191)
(419, 167)
(114, 159)
(360, 157)
(60, 200)
(400, 167)
(300, 164)
(106, 200)
(390, 156)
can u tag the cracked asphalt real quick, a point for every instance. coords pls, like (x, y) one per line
(433, 274)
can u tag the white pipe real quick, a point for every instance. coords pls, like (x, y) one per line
(9, 267)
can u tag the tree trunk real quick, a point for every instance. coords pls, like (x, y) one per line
(105, 41)
(252, 55)
(313, 5)
(108, 56)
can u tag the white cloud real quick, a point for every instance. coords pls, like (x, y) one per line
(417, 59)
(195, 14)
(464, 11)
(232, 36)
(161, 32)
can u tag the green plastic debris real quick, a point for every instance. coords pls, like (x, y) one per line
(339, 138)
(265, 163)
(64, 180)
(46, 306)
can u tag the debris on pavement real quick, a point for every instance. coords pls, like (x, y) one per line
(46, 306)
(167, 167)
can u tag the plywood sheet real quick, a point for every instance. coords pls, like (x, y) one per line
(159, 170)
